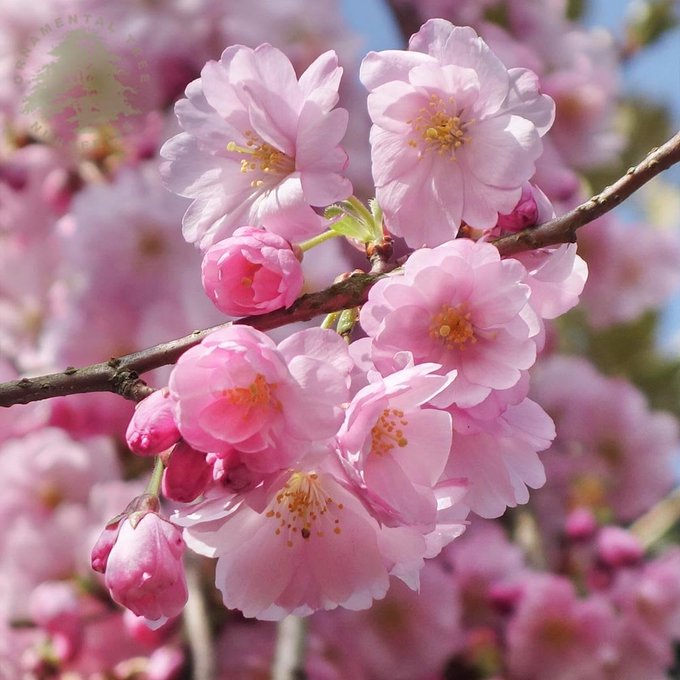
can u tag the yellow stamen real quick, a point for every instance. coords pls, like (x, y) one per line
(262, 157)
(438, 129)
(387, 433)
(452, 327)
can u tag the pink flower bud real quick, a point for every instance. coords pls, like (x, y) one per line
(251, 272)
(186, 475)
(144, 570)
(152, 428)
(580, 524)
(617, 547)
(523, 215)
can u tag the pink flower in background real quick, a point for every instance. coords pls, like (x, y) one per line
(461, 306)
(238, 390)
(455, 134)
(393, 450)
(260, 147)
(251, 272)
(143, 566)
(619, 255)
(554, 635)
(612, 454)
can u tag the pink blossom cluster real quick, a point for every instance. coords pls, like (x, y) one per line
(354, 467)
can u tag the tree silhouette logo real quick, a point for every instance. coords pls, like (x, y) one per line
(81, 84)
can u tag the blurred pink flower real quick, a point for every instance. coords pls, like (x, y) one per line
(455, 134)
(251, 272)
(554, 635)
(260, 147)
(622, 284)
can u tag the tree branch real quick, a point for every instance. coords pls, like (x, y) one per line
(563, 228)
(121, 375)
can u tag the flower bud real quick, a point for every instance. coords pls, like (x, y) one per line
(152, 428)
(617, 547)
(523, 215)
(187, 474)
(251, 272)
(143, 566)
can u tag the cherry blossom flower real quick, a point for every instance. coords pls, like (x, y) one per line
(299, 543)
(455, 133)
(394, 451)
(238, 390)
(499, 456)
(260, 147)
(251, 272)
(461, 306)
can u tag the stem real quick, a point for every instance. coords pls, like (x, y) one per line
(657, 521)
(154, 485)
(330, 320)
(361, 209)
(317, 240)
(197, 626)
(289, 656)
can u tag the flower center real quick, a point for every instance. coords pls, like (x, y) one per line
(302, 508)
(452, 327)
(262, 157)
(387, 433)
(259, 393)
(437, 129)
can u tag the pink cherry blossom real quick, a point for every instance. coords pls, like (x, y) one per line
(461, 306)
(395, 451)
(152, 428)
(238, 390)
(186, 475)
(455, 134)
(143, 569)
(299, 543)
(260, 147)
(251, 272)
(499, 456)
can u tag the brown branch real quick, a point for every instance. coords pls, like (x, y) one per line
(563, 228)
(121, 375)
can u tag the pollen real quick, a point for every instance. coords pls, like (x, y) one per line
(302, 510)
(438, 127)
(261, 157)
(258, 394)
(453, 328)
(388, 432)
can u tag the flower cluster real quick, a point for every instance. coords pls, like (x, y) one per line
(355, 463)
